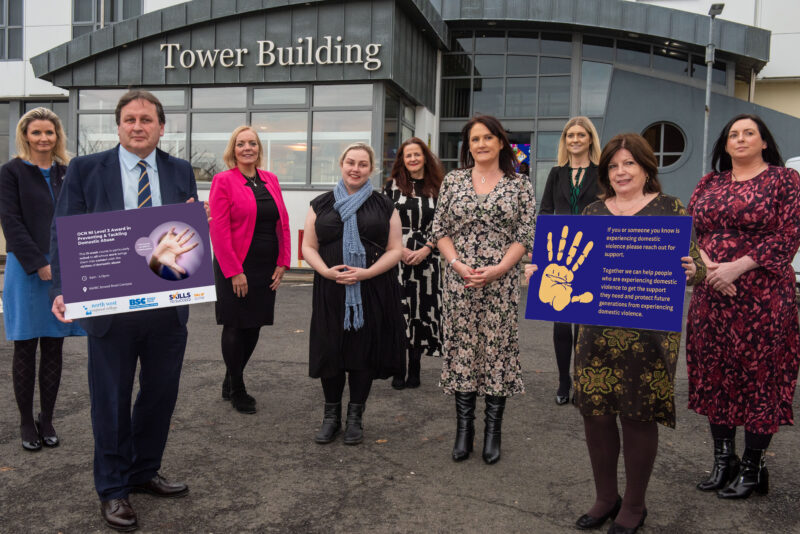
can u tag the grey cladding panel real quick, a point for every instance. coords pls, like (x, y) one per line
(658, 23)
(79, 48)
(125, 32)
(173, 17)
(228, 36)
(609, 14)
(542, 10)
(253, 29)
(357, 21)
(757, 40)
(383, 15)
(198, 11)
(279, 31)
(202, 39)
(63, 79)
(153, 71)
(588, 10)
(130, 65)
(150, 24)
(102, 40)
(275, 3)
(83, 74)
(517, 9)
(222, 8)
(564, 12)
(304, 24)
(494, 10)
(177, 76)
(634, 17)
(330, 22)
(451, 9)
(106, 70)
(243, 6)
(58, 57)
(683, 26)
(472, 9)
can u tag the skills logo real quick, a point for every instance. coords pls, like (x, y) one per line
(179, 297)
(142, 302)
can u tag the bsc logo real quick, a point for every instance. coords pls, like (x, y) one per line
(138, 302)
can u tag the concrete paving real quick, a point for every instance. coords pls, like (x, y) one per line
(263, 472)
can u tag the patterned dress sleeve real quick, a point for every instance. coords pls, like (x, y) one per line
(698, 190)
(778, 247)
(526, 221)
(441, 226)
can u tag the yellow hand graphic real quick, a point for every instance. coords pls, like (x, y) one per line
(556, 286)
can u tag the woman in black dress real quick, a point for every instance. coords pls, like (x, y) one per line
(571, 186)
(414, 187)
(353, 241)
(249, 230)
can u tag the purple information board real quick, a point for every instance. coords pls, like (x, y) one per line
(610, 271)
(122, 261)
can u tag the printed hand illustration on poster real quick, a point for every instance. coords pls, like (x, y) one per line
(556, 285)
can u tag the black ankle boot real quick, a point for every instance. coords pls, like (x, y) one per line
(241, 401)
(465, 425)
(494, 423)
(752, 476)
(726, 465)
(226, 387)
(414, 356)
(354, 430)
(331, 423)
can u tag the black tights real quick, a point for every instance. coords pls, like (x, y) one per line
(565, 335)
(360, 384)
(238, 345)
(640, 441)
(751, 439)
(24, 379)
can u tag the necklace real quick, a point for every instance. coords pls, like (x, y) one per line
(737, 179)
(483, 178)
(251, 180)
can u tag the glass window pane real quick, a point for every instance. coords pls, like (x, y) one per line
(15, 43)
(390, 138)
(280, 96)
(719, 73)
(450, 145)
(670, 60)
(82, 11)
(455, 98)
(131, 8)
(210, 135)
(667, 160)
(407, 133)
(488, 96)
(633, 53)
(523, 42)
(4, 108)
(598, 48)
(557, 43)
(2, 13)
(520, 97)
(547, 145)
(410, 114)
(174, 139)
(554, 96)
(522, 65)
(653, 136)
(170, 99)
(15, 12)
(227, 97)
(542, 170)
(490, 42)
(488, 65)
(96, 133)
(461, 41)
(343, 95)
(595, 81)
(80, 30)
(99, 98)
(332, 132)
(284, 136)
(456, 65)
(2, 43)
(554, 65)
(673, 139)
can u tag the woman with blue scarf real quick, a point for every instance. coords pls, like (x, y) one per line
(353, 240)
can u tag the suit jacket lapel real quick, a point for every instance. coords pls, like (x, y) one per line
(566, 180)
(112, 180)
(165, 174)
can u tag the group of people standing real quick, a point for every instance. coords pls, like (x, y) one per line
(458, 240)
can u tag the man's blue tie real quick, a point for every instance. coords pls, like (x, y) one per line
(145, 199)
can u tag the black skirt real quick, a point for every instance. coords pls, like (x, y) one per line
(257, 308)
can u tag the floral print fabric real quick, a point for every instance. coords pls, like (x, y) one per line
(480, 328)
(742, 351)
(628, 371)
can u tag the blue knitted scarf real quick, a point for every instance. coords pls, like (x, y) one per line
(353, 253)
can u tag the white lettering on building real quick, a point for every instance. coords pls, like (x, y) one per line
(329, 52)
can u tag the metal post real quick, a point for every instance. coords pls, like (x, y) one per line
(715, 10)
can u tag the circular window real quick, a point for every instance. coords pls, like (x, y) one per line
(667, 141)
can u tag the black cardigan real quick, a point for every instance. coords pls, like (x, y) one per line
(555, 199)
(26, 210)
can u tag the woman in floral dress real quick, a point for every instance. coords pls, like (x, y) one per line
(627, 373)
(414, 187)
(483, 225)
(742, 335)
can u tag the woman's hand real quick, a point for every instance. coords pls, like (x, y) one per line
(239, 282)
(484, 275)
(529, 270)
(44, 273)
(417, 256)
(350, 275)
(277, 276)
(689, 267)
(727, 290)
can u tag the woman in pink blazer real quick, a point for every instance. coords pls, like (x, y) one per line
(250, 235)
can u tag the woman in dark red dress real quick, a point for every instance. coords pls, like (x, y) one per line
(742, 333)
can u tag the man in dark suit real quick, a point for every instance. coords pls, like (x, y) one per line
(128, 446)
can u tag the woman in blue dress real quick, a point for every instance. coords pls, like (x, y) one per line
(29, 186)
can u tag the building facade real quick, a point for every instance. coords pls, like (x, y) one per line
(314, 76)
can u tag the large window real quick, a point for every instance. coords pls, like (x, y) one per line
(91, 15)
(10, 29)
(303, 129)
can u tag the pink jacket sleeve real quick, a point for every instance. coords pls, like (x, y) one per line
(220, 227)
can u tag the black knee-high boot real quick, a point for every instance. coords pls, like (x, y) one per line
(494, 422)
(465, 425)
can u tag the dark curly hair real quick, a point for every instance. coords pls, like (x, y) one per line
(432, 176)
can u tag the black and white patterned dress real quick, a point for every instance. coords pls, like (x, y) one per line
(422, 289)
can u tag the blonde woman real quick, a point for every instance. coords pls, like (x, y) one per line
(29, 185)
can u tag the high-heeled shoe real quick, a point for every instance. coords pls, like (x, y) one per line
(31, 444)
(725, 468)
(562, 395)
(587, 522)
(619, 529)
(48, 441)
(752, 476)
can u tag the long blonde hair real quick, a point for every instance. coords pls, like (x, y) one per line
(594, 148)
(59, 153)
(229, 155)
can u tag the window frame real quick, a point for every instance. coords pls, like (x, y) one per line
(6, 27)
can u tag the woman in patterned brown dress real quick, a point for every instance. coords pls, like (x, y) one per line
(626, 372)
(742, 334)
(482, 226)
(414, 187)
